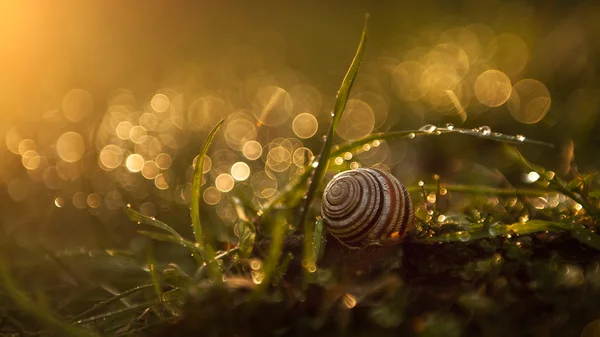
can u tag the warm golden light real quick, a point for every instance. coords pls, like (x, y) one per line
(111, 157)
(357, 121)
(492, 88)
(252, 150)
(224, 182)
(273, 105)
(529, 101)
(211, 195)
(77, 105)
(70, 147)
(240, 171)
(164, 161)
(134, 162)
(409, 80)
(150, 170)
(160, 103)
(305, 125)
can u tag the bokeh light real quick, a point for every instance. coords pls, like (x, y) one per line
(492, 88)
(70, 146)
(77, 105)
(357, 121)
(529, 101)
(305, 125)
(240, 171)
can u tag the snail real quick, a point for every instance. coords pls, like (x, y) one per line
(367, 207)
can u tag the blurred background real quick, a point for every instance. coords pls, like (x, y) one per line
(107, 103)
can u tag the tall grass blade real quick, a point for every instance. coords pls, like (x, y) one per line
(319, 173)
(195, 194)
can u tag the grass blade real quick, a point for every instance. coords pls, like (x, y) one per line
(476, 189)
(295, 184)
(587, 237)
(104, 303)
(195, 194)
(497, 229)
(140, 218)
(319, 173)
(175, 237)
(553, 181)
(274, 254)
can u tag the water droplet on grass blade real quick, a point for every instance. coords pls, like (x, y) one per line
(485, 130)
(520, 138)
(429, 128)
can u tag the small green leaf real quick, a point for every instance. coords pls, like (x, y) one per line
(196, 184)
(140, 218)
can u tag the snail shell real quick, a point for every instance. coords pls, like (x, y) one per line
(367, 206)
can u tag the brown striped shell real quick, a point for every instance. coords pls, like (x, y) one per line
(367, 206)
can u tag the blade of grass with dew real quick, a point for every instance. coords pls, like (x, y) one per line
(105, 303)
(140, 218)
(295, 184)
(553, 181)
(318, 242)
(171, 239)
(475, 189)
(319, 173)
(195, 193)
(114, 313)
(495, 230)
(41, 313)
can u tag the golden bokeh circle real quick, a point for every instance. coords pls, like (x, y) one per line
(305, 125)
(529, 101)
(357, 121)
(492, 88)
(240, 171)
(70, 146)
(252, 150)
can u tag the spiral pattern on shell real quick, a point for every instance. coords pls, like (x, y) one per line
(367, 206)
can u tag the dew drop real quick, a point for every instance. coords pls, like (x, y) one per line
(411, 135)
(485, 130)
(315, 164)
(497, 229)
(332, 114)
(429, 128)
(520, 138)
(421, 183)
(449, 126)
(128, 205)
(463, 236)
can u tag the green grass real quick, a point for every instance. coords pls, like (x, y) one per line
(283, 275)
